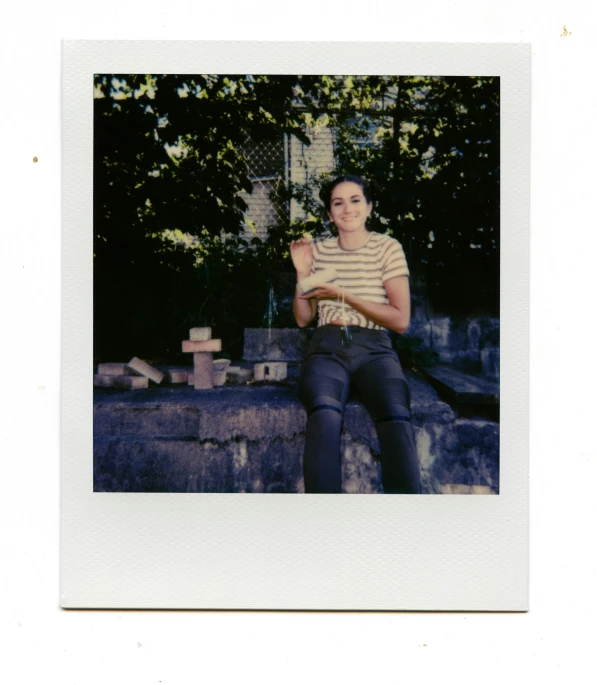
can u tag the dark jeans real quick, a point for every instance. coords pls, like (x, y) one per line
(370, 366)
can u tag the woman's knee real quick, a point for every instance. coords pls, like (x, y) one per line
(323, 387)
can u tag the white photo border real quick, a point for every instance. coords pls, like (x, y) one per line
(317, 552)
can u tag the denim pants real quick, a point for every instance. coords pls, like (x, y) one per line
(337, 360)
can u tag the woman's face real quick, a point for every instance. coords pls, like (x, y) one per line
(349, 209)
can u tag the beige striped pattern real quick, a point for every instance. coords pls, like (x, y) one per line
(362, 272)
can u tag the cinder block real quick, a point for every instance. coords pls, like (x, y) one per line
(113, 369)
(235, 375)
(203, 371)
(144, 369)
(178, 375)
(200, 334)
(202, 345)
(270, 371)
(121, 382)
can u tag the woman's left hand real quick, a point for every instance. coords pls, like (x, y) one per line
(328, 291)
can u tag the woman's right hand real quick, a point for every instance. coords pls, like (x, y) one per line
(301, 251)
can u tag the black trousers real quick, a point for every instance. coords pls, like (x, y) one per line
(364, 360)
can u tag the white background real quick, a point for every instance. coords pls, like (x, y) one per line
(555, 638)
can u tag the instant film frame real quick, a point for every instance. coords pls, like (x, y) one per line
(126, 550)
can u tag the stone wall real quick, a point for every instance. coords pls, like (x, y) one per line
(472, 345)
(276, 344)
(250, 439)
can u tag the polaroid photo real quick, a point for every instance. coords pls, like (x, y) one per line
(295, 326)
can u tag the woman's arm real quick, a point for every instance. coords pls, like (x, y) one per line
(301, 252)
(395, 315)
(304, 310)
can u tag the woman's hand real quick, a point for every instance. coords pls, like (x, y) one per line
(328, 291)
(301, 251)
(395, 315)
(305, 306)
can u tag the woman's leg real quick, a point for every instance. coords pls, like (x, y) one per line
(383, 390)
(323, 390)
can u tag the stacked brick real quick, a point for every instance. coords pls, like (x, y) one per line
(202, 346)
(207, 372)
(132, 376)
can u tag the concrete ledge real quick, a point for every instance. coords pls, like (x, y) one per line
(250, 439)
(462, 388)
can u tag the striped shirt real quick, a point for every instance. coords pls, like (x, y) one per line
(362, 272)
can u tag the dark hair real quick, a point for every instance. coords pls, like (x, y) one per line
(325, 194)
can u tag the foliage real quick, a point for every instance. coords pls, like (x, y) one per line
(169, 170)
(170, 174)
(431, 147)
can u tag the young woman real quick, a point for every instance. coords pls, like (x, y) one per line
(351, 345)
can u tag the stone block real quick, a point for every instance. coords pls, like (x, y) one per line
(101, 380)
(270, 371)
(113, 369)
(120, 382)
(203, 371)
(131, 382)
(200, 334)
(463, 388)
(220, 367)
(144, 369)
(202, 345)
(178, 375)
(235, 375)
(220, 375)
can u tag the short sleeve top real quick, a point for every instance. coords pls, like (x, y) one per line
(362, 271)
